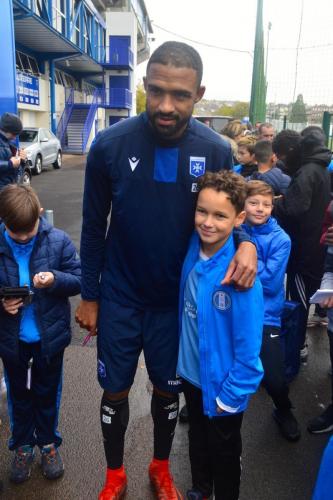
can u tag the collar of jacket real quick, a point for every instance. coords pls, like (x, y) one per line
(43, 227)
(216, 258)
(266, 228)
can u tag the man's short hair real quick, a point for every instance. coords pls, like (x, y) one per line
(178, 54)
(264, 125)
(263, 151)
(248, 142)
(19, 207)
(228, 182)
(285, 141)
(254, 188)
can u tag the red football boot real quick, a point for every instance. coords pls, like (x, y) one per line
(162, 481)
(115, 484)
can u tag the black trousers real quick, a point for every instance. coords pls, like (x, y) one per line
(215, 447)
(34, 412)
(300, 288)
(272, 359)
(330, 338)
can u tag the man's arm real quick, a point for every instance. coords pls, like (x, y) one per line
(242, 269)
(96, 208)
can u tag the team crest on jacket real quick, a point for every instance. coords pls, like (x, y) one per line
(197, 166)
(221, 300)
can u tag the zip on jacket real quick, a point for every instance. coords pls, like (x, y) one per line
(229, 328)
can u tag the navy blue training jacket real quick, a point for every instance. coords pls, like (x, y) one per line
(152, 186)
(53, 251)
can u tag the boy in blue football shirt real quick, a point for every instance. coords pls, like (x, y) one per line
(273, 247)
(220, 340)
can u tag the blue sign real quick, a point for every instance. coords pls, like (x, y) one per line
(27, 88)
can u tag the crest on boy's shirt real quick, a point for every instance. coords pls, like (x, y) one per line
(221, 300)
(197, 166)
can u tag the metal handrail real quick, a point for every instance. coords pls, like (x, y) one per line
(63, 122)
(90, 118)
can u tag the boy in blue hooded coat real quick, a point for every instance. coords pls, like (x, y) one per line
(34, 333)
(220, 340)
(273, 247)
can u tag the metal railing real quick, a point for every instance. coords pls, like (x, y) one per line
(90, 118)
(115, 56)
(117, 98)
(63, 122)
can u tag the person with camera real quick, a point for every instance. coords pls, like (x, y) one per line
(10, 156)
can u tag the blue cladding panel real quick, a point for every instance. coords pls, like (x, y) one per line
(7, 60)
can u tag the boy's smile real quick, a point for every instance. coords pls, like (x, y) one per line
(258, 209)
(215, 218)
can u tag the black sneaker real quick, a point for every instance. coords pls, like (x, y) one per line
(323, 423)
(288, 424)
(1, 486)
(52, 464)
(183, 415)
(21, 465)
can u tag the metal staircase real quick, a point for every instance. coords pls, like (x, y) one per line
(73, 141)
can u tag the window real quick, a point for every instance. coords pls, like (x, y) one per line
(27, 64)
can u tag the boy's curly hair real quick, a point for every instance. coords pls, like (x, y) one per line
(232, 184)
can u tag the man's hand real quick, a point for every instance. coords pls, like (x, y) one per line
(16, 161)
(12, 306)
(22, 154)
(329, 236)
(43, 280)
(219, 410)
(328, 303)
(242, 269)
(86, 316)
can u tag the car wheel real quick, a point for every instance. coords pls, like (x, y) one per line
(26, 178)
(58, 162)
(38, 165)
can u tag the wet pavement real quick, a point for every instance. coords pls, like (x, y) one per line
(273, 469)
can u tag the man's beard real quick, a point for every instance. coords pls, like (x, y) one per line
(167, 131)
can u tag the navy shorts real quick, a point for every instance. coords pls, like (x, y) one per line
(123, 332)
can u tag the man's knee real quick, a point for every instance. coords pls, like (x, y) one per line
(116, 396)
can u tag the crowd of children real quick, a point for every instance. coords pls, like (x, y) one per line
(229, 341)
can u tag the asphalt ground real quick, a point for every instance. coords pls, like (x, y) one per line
(273, 469)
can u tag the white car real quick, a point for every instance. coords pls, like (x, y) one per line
(43, 148)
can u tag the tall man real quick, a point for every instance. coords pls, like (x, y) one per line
(147, 167)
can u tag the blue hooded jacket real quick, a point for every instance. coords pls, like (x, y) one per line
(275, 178)
(230, 327)
(273, 249)
(53, 251)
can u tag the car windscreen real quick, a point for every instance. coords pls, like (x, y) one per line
(28, 135)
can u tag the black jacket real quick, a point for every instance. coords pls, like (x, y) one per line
(8, 174)
(301, 211)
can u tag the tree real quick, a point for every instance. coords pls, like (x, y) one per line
(237, 111)
(140, 98)
(298, 111)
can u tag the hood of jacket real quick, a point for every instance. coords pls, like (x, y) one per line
(270, 226)
(43, 227)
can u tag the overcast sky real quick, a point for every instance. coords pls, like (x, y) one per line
(231, 25)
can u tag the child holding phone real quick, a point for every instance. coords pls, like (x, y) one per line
(33, 335)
